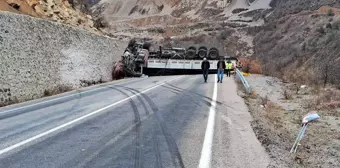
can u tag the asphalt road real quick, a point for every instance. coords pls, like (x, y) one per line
(155, 122)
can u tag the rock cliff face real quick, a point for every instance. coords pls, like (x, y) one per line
(57, 10)
(39, 55)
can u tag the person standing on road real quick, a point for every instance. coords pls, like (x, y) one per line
(220, 69)
(229, 67)
(205, 67)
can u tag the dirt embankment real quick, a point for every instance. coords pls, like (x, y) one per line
(278, 108)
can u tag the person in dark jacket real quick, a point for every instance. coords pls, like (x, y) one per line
(220, 69)
(205, 66)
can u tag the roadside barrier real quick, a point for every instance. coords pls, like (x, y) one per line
(312, 116)
(244, 81)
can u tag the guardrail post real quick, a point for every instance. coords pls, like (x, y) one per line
(244, 81)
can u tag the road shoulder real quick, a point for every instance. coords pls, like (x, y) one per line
(235, 144)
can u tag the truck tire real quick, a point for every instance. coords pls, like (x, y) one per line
(132, 42)
(166, 54)
(191, 52)
(202, 52)
(147, 46)
(213, 53)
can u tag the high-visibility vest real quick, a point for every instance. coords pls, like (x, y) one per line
(229, 65)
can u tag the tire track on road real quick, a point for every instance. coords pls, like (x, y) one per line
(174, 151)
(61, 99)
(155, 147)
(75, 122)
(194, 93)
(136, 156)
(110, 140)
(138, 134)
(207, 102)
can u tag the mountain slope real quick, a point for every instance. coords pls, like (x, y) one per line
(119, 14)
(303, 45)
(57, 10)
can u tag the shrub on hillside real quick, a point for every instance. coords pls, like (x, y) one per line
(250, 66)
(226, 33)
(321, 30)
(330, 12)
(57, 90)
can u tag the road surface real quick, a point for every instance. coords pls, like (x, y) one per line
(155, 122)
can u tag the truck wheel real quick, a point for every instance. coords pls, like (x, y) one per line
(147, 46)
(191, 52)
(202, 52)
(166, 54)
(213, 53)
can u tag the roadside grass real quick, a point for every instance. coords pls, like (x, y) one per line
(323, 99)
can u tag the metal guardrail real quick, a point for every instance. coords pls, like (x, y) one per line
(244, 81)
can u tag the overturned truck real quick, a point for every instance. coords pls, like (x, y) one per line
(140, 58)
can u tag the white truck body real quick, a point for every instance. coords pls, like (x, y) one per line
(180, 64)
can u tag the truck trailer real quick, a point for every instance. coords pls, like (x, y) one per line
(141, 59)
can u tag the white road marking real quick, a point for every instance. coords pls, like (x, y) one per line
(51, 100)
(205, 160)
(17, 145)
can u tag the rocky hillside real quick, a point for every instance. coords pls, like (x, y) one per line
(303, 41)
(116, 15)
(61, 11)
(213, 22)
(301, 36)
(286, 7)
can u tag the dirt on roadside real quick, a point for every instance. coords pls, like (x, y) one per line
(277, 109)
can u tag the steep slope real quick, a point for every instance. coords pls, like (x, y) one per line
(17, 6)
(286, 7)
(118, 14)
(57, 10)
(304, 45)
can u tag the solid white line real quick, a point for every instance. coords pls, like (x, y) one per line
(205, 159)
(3, 151)
(51, 100)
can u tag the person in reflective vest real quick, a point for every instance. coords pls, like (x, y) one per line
(229, 66)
